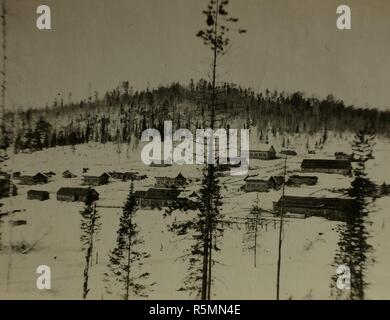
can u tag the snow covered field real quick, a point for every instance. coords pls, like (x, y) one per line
(52, 233)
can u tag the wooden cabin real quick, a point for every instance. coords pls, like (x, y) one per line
(76, 194)
(167, 182)
(97, 180)
(329, 208)
(264, 185)
(156, 198)
(263, 152)
(37, 195)
(38, 178)
(124, 176)
(327, 166)
(258, 185)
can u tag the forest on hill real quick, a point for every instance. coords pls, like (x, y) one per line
(123, 113)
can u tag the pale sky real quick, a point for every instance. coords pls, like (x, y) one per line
(290, 45)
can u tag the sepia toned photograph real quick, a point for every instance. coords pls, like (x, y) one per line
(195, 150)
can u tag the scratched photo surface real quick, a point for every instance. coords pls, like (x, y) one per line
(209, 149)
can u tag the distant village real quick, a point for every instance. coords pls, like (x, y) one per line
(169, 191)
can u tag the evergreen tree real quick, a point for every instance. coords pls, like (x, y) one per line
(353, 246)
(252, 223)
(215, 37)
(90, 226)
(362, 150)
(127, 258)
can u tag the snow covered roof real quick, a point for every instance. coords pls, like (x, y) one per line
(326, 163)
(35, 175)
(98, 175)
(263, 147)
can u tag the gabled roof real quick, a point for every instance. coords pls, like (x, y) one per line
(180, 177)
(40, 174)
(263, 147)
(326, 164)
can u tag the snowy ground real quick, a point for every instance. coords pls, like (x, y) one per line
(52, 232)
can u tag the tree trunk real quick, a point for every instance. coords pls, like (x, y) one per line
(89, 254)
(128, 264)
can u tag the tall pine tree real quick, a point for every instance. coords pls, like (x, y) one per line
(206, 227)
(353, 245)
(90, 226)
(127, 258)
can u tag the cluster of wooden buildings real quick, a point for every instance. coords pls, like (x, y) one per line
(65, 194)
(127, 176)
(166, 192)
(330, 208)
(156, 198)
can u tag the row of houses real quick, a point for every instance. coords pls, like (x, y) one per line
(127, 176)
(90, 180)
(263, 152)
(329, 208)
(152, 198)
(276, 182)
(65, 194)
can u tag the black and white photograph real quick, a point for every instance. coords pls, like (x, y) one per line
(194, 150)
